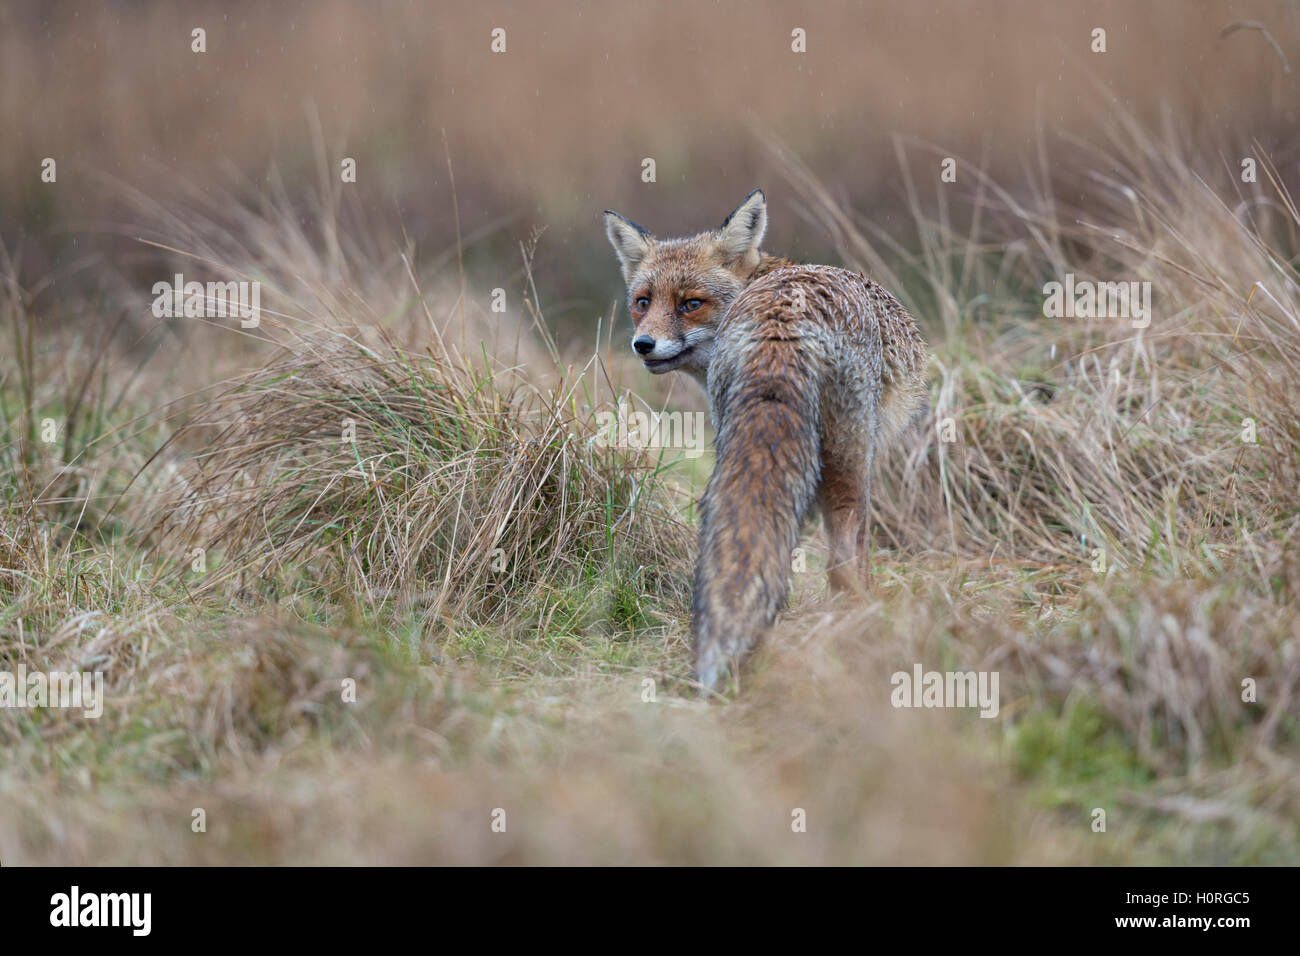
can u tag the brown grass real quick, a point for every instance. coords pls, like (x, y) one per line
(372, 561)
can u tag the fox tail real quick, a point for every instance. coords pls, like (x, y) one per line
(767, 473)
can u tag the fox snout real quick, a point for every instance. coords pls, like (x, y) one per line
(649, 347)
(665, 353)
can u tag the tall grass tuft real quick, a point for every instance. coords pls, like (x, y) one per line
(370, 474)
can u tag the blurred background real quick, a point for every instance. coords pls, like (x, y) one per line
(555, 129)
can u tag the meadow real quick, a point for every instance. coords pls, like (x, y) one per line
(365, 578)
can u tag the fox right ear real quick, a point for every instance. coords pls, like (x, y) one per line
(742, 232)
(630, 242)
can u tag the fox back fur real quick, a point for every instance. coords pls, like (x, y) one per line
(809, 370)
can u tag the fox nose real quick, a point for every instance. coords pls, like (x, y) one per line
(643, 344)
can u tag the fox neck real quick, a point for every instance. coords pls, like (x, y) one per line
(766, 263)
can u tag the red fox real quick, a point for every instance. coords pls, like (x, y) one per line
(809, 369)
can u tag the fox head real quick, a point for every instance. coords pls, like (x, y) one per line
(679, 289)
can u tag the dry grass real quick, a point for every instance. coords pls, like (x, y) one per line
(374, 559)
(412, 479)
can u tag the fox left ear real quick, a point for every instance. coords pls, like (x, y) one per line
(742, 232)
(630, 242)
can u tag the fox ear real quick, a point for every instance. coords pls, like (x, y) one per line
(629, 240)
(742, 232)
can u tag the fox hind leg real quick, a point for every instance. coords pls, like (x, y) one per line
(846, 506)
(864, 530)
(842, 508)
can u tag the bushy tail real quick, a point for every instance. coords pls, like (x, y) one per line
(768, 469)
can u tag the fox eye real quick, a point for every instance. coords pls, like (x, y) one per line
(690, 305)
(642, 303)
